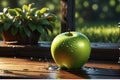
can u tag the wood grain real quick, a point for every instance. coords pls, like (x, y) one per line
(35, 68)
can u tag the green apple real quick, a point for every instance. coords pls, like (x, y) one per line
(70, 50)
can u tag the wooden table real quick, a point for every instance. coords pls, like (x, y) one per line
(12, 67)
(34, 62)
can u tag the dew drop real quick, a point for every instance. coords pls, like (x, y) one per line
(91, 69)
(15, 57)
(31, 58)
(53, 68)
(39, 59)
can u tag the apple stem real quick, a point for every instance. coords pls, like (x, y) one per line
(69, 32)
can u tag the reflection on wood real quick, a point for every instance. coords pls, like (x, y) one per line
(33, 68)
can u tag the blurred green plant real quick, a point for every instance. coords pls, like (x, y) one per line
(86, 11)
(101, 32)
(25, 20)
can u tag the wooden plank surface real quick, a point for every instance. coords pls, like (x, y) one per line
(39, 68)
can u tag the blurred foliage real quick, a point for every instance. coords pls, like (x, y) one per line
(87, 13)
(97, 10)
(100, 31)
(86, 10)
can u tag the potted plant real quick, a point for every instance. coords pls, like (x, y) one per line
(25, 25)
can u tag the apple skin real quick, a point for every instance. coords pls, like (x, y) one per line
(70, 50)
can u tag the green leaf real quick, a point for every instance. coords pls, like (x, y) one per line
(25, 8)
(45, 22)
(1, 21)
(19, 11)
(22, 32)
(1, 30)
(16, 23)
(52, 17)
(6, 25)
(30, 6)
(40, 29)
(32, 27)
(50, 28)
(5, 10)
(12, 12)
(14, 31)
(27, 32)
(38, 13)
(33, 10)
(1, 14)
(46, 30)
(44, 10)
